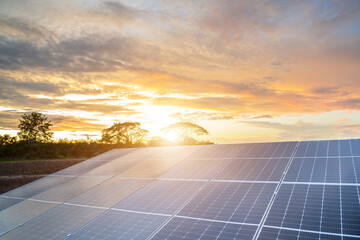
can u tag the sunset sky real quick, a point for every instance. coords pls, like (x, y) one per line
(247, 71)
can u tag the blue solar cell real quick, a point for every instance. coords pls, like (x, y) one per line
(278, 233)
(54, 224)
(160, 196)
(355, 147)
(36, 187)
(316, 208)
(115, 224)
(334, 148)
(194, 229)
(217, 151)
(329, 170)
(254, 169)
(350, 198)
(266, 150)
(236, 202)
(8, 202)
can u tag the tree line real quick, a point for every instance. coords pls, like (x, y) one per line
(35, 139)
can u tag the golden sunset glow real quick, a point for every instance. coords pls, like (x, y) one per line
(247, 71)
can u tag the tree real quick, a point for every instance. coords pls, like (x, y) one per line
(186, 131)
(36, 127)
(7, 139)
(126, 133)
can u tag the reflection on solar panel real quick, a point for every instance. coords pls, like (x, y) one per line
(286, 190)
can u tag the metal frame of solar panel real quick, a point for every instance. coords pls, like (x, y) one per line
(284, 190)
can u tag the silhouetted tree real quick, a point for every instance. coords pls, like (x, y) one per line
(186, 131)
(126, 133)
(35, 126)
(7, 139)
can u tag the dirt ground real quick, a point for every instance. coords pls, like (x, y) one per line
(14, 174)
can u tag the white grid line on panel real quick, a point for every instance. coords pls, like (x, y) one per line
(316, 232)
(147, 213)
(338, 156)
(194, 195)
(4, 196)
(323, 183)
(183, 179)
(218, 221)
(243, 181)
(256, 235)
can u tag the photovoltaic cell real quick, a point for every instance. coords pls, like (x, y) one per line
(355, 147)
(114, 154)
(217, 151)
(54, 224)
(80, 168)
(141, 153)
(266, 150)
(324, 208)
(196, 169)
(8, 202)
(175, 153)
(20, 213)
(149, 169)
(329, 170)
(36, 187)
(235, 202)
(115, 224)
(112, 168)
(69, 189)
(193, 229)
(278, 233)
(254, 169)
(332, 148)
(109, 193)
(160, 196)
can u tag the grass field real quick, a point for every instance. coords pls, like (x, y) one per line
(14, 174)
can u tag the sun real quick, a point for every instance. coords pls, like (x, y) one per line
(172, 136)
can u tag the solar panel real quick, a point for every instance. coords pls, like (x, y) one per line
(109, 192)
(111, 168)
(193, 229)
(22, 212)
(119, 225)
(36, 187)
(218, 151)
(55, 224)
(195, 169)
(262, 169)
(8, 202)
(286, 190)
(148, 169)
(68, 190)
(160, 197)
(235, 202)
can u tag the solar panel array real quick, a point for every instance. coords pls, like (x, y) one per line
(286, 190)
